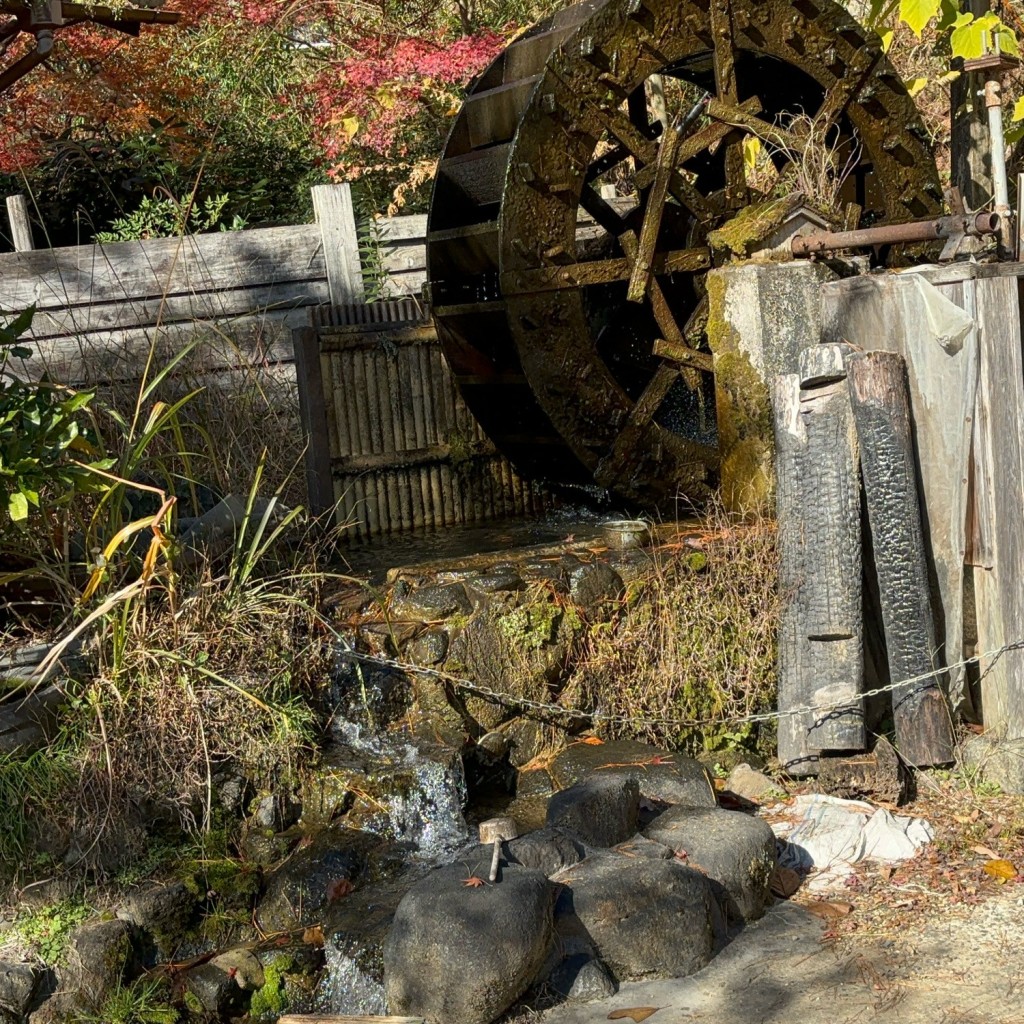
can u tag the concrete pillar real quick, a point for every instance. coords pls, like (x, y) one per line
(761, 316)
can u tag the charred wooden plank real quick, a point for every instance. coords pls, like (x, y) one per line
(881, 407)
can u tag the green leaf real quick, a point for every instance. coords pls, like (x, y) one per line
(973, 37)
(917, 13)
(915, 85)
(886, 36)
(17, 507)
(1018, 110)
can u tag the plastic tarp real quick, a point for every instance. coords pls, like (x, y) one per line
(905, 313)
(828, 836)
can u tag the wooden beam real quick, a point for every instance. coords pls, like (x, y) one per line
(335, 214)
(21, 224)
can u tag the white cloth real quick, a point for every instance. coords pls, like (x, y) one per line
(828, 836)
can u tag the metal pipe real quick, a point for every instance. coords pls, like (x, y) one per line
(914, 231)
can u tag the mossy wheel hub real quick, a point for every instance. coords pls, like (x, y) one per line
(532, 270)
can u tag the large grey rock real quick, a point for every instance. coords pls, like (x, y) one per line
(101, 956)
(600, 811)
(431, 603)
(18, 984)
(296, 894)
(736, 852)
(749, 784)
(212, 535)
(580, 978)
(663, 777)
(641, 846)
(165, 912)
(548, 850)
(223, 984)
(646, 918)
(462, 955)
(592, 584)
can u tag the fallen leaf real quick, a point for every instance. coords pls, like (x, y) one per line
(313, 936)
(886, 871)
(1000, 869)
(828, 909)
(986, 852)
(637, 1013)
(473, 882)
(592, 741)
(785, 882)
(338, 888)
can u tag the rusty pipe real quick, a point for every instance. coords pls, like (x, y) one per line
(976, 224)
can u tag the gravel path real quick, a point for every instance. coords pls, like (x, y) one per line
(962, 965)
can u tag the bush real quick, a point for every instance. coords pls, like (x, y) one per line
(696, 645)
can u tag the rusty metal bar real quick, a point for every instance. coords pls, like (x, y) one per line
(976, 225)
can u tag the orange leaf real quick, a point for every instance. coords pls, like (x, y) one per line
(338, 888)
(473, 882)
(592, 741)
(313, 936)
(785, 882)
(1001, 869)
(828, 910)
(637, 1013)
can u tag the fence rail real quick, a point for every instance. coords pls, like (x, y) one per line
(99, 308)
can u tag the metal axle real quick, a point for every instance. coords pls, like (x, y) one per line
(976, 224)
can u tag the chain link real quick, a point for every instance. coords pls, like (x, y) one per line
(510, 699)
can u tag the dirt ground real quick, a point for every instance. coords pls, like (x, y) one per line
(937, 940)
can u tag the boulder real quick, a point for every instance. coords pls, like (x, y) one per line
(646, 918)
(429, 648)
(296, 894)
(459, 954)
(430, 603)
(599, 811)
(18, 983)
(593, 584)
(548, 850)
(101, 956)
(223, 984)
(735, 851)
(580, 978)
(641, 846)
(751, 785)
(663, 777)
(165, 912)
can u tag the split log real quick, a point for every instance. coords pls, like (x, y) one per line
(818, 500)
(881, 407)
(879, 775)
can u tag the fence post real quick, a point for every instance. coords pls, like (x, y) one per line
(335, 214)
(21, 226)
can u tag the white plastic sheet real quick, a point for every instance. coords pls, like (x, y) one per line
(828, 836)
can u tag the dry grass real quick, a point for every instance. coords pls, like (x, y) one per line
(696, 643)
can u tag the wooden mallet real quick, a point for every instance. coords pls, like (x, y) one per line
(496, 830)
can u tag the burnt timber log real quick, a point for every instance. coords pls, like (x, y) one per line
(818, 502)
(881, 408)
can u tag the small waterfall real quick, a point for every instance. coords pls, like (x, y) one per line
(348, 989)
(429, 813)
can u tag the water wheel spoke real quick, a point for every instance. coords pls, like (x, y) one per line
(839, 95)
(645, 153)
(597, 272)
(664, 168)
(602, 211)
(724, 58)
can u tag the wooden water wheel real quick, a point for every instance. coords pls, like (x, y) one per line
(584, 367)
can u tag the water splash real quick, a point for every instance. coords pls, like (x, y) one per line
(348, 989)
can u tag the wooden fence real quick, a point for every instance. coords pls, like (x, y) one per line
(99, 308)
(391, 444)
